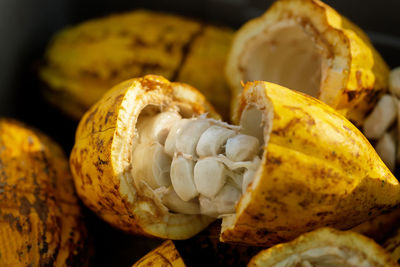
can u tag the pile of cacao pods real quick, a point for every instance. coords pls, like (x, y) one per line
(275, 145)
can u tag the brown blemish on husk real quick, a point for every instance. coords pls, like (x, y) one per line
(41, 204)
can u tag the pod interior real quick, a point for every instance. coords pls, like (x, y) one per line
(194, 164)
(287, 53)
(326, 256)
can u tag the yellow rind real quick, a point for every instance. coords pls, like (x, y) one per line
(84, 61)
(317, 170)
(40, 218)
(363, 73)
(325, 237)
(100, 159)
(164, 255)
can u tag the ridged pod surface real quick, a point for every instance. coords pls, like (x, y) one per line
(40, 219)
(100, 159)
(353, 74)
(317, 170)
(84, 61)
(164, 255)
(325, 246)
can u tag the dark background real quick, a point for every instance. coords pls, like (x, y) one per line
(27, 26)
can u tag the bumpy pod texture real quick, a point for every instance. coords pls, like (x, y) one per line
(84, 61)
(40, 220)
(307, 46)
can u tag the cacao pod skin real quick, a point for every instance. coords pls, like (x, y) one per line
(317, 170)
(353, 244)
(100, 158)
(40, 218)
(84, 61)
(164, 255)
(354, 74)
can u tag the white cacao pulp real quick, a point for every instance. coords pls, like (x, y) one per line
(328, 256)
(286, 54)
(196, 165)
